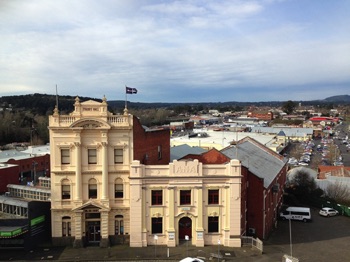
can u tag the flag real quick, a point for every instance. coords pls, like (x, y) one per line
(130, 90)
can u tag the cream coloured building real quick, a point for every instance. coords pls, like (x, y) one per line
(101, 195)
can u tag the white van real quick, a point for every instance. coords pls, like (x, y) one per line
(296, 213)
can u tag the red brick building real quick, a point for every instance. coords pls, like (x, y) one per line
(21, 167)
(265, 173)
(8, 175)
(263, 179)
(151, 146)
(267, 116)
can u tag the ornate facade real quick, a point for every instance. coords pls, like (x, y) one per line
(107, 188)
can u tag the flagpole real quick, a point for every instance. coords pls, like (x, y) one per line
(56, 98)
(126, 97)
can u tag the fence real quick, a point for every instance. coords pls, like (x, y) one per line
(321, 202)
(254, 242)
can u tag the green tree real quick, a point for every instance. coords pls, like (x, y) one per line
(302, 184)
(288, 107)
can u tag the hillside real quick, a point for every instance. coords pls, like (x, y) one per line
(341, 98)
(44, 104)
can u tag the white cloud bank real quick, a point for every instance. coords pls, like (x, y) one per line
(176, 51)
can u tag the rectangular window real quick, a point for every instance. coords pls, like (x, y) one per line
(65, 191)
(118, 191)
(185, 197)
(66, 229)
(92, 156)
(118, 156)
(65, 156)
(213, 196)
(93, 191)
(157, 197)
(157, 225)
(159, 152)
(213, 224)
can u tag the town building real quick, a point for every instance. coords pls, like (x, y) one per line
(266, 116)
(111, 182)
(265, 173)
(25, 216)
(23, 166)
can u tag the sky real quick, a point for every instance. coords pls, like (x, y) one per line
(176, 51)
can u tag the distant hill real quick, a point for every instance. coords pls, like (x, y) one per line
(44, 104)
(342, 98)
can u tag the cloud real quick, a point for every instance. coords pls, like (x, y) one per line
(168, 49)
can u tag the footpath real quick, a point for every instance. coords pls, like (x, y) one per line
(126, 253)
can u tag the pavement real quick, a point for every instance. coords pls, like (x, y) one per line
(126, 253)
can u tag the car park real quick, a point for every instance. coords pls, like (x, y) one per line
(328, 212)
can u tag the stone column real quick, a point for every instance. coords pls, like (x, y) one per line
(104, 229)
(199, 226)
(104, 195)
(78, 179)
(171, 227)
(79, 229)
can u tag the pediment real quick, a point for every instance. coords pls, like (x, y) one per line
(90, 124)
(90, 102)
(91, 204)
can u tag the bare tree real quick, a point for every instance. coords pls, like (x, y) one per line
(338, 192)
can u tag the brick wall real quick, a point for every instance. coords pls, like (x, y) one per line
(146, 144)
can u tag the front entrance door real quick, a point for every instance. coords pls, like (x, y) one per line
(185, 228)
(93, 231)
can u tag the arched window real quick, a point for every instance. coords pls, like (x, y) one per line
(119, 225)
(66, 226)
(92, 188)
(119, 188)
(65, 189)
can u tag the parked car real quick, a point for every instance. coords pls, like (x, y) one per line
(328, 212)
(191, 259)
(293, 161)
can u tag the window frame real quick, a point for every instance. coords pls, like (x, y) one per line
(160, 152)
(213, 196)
(119, 225)
(65, 193)
(92, 158)
(157, 197)
(65, 156)
(66, 226)
(213, 224)
(117, 156)
(157, 225)
(118, 188)
(92, 188)
(185, 197)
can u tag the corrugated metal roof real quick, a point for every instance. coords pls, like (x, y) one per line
(13, 201)
(260, 161)
(177, 152)
(28, 153)
(288, 131)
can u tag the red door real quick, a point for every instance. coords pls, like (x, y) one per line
(185, 228)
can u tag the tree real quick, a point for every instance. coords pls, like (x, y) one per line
(338, 192)
(302, 184)
(288, 107)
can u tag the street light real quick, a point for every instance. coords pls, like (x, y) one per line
(290, 237)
